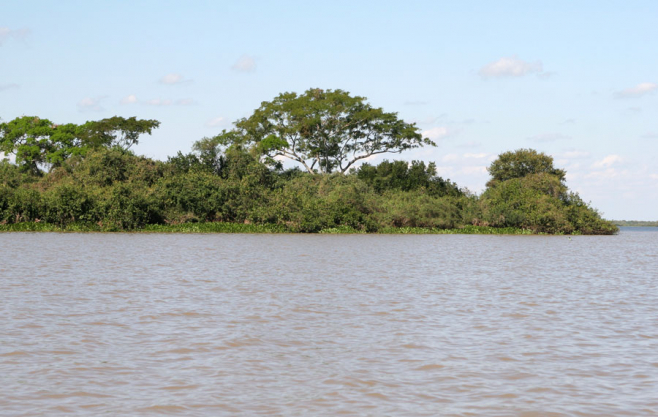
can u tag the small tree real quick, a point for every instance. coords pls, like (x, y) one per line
(324, 130)
(519, 163)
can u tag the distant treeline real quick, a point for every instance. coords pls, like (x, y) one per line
(84, 177)
(634, 223)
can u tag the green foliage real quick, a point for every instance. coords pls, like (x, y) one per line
(415, 209)
(324, 130)
(95, 184)
(127, 207)
(105, 167)
(23, 204)
(39, 143)
(527, 192)
(66, 203)
(522, 162)
(115, 132)
(399, 175)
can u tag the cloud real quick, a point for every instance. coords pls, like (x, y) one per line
(217, 121)
(18, 34)
(607, 162)
(91, 104)
(174, 78)
(439, 133)
(474, 170)
(548, 137)
(568, 122)
(650, 135)
(436, 132)
(480, 155)
(416, 103)
(511, 67)
(245, 63)
(131, 99)
(637, 91)
(4, 87)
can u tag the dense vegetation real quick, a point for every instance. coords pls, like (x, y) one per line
(86, 178)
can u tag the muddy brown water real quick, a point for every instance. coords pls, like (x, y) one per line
(306, 325)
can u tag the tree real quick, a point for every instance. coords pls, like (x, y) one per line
(36, 142)
(324, 130)
(116, 132)
(40, 143)
(519, 163)
(400, 175)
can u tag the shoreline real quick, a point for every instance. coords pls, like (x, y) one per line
(221, 227)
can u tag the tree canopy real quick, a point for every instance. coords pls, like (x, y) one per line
(522, 162)
(38, 142)
(324, 130)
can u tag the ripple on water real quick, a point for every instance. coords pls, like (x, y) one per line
(137, 324)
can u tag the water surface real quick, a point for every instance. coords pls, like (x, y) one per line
(299, 325)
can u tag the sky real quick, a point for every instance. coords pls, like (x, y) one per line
(576, 80)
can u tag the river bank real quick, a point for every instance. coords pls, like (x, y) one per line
(226, 227)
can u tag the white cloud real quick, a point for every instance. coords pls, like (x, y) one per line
(91, 104)
(245, 63)
(19, 34)
(174, 78)
(637, 91)
(650, 135)
(511, 67)
(131, 99)
(474, 170)
(608, 174)
(475, 155)
(607, 161)
(436, 132)
(217, 121)
(4, 87)
(548, 137)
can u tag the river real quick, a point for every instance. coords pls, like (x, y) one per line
(315, 325)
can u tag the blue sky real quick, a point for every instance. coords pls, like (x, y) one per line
(577, 80)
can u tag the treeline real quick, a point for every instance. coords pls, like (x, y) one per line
(114, 189)
(635, 223)
(86, 175)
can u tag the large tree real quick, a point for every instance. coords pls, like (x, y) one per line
(116, 131)
(324, 130)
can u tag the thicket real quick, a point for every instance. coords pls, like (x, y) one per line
(114, 189)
